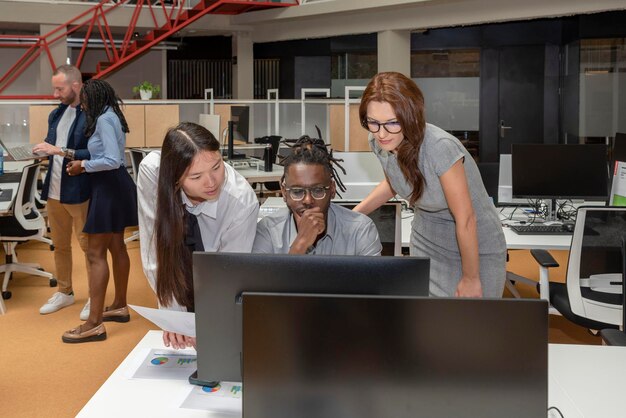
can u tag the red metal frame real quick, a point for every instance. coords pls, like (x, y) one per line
(176, 17)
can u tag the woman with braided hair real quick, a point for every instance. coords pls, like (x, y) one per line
(112, 208)
(311, 224)
(455, 223)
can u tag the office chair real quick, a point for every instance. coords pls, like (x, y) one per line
(25, 224)
(618, 336)
(592, 294)
(136, 155)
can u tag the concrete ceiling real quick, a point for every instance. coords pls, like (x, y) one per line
(318, 19)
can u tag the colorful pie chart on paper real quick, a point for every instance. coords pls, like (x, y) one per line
(157, 361)
(211, 389)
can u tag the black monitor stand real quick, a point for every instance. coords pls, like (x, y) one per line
(230, 152)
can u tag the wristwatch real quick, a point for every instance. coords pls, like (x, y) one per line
(67, 153)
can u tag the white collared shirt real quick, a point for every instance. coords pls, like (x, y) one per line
(63, 131)
(227, 224)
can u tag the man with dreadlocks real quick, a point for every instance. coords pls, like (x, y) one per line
(311, 224)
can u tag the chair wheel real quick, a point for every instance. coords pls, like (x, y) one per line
(51, 247)
(6, 295)
(40, 269)
(53, 282)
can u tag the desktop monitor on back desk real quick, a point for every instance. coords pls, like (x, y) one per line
(219, 279)
(550, 171)
(505, 184)
(388, 221)
(314, 356)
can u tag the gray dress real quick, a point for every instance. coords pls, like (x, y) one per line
(433, 231)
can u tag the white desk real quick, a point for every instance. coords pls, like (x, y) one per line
(584, 381)
(258, 175)
(513, 240)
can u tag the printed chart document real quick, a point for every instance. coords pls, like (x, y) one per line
(173, 321)
(618, 190)
(166, 364)
(224, 398)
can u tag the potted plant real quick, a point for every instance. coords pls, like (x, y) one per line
(146, 90)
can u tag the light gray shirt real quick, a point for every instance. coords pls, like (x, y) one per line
(433, 223)
(347, 233)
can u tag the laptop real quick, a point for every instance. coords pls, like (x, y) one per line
(22, 152)
(326, 356)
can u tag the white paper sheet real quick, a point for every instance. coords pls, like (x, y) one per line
(173, 321)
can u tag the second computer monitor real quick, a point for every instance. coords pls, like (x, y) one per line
(219, 280)
(550, 171)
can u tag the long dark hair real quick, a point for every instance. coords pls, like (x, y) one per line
(95, 96)
(407, 101)
(174, 266)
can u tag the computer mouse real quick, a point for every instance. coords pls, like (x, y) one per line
(568, 227)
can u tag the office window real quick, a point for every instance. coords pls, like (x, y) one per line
(450, 82)
(446, 63)
(596, 70)
(352, 69)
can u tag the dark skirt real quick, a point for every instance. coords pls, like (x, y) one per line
(113, 203)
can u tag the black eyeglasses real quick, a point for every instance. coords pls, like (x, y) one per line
(298, 193)
(373, 126)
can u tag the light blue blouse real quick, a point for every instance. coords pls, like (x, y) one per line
(107, 143)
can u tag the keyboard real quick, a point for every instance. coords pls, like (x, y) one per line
(540, 230)
(23, 153)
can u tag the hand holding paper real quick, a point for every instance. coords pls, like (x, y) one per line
(178, 322)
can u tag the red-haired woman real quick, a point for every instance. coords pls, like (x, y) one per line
(455, 223)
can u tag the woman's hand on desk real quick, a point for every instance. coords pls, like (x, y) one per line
(178, 341)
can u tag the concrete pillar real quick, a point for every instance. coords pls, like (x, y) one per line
(243, 70)
(394, 51)
(59, 53)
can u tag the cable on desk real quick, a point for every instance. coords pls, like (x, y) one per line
(557, 410)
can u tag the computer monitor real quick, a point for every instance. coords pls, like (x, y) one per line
(240, 115)
(550, 171)
(388, 221)
(313, 356)
(505, 184)
(221, 278)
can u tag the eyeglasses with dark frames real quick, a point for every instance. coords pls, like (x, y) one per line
(373, 126)
(298, 193)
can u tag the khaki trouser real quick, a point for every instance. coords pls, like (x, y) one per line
(61, 218)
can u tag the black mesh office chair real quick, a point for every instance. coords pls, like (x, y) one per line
(24, 224)
(618, 336)
(592, 294)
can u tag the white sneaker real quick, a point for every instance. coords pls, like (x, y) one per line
(57, 301)
(84, 314)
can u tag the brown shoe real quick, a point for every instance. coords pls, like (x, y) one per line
(116, 315)
(77, 335)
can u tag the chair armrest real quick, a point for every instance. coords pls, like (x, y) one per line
(544, 258)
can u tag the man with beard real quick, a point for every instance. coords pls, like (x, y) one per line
(67, 196)
(311, 224)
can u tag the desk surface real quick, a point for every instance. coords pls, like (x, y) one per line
(584, 381)
(513, 240)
